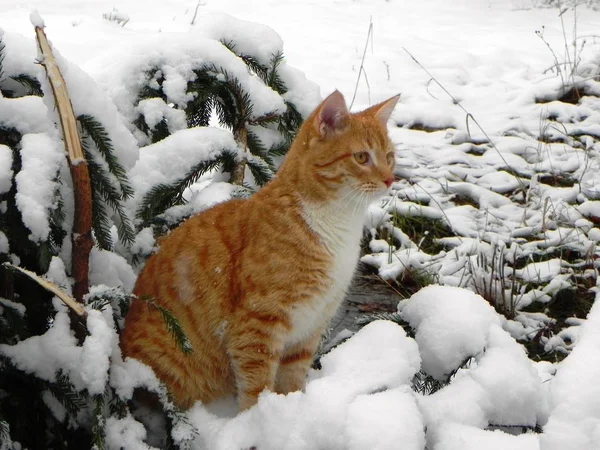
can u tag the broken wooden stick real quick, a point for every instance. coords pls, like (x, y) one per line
(82, 189)
(75, 306)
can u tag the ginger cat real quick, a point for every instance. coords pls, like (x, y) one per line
(255, 282)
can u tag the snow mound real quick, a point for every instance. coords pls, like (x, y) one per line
(452, 325)
(574, 422)
(360, 399)
(498, 386)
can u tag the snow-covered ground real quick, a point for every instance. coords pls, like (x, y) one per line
(487, 55)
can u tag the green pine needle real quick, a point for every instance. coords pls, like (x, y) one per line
(103, 190)
(5, 439)
(97, 133)
(163, 196)
(273, 79)
(65, 393)
(279, 149)
(393, 317)
(172, 324)
(34, 87)
(101, 223)
(260, 170)
(2, 47)
(252, 62)
(256, 147)
(99, 423)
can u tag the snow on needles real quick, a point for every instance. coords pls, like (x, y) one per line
(176, 56)
(166, 161)
(41, 157)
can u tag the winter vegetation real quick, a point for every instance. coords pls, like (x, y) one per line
(488, 239)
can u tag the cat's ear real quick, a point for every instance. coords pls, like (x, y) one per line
(332, 114)
(383, 110)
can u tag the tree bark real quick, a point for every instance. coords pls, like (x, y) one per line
(241, 137)
(82, 190)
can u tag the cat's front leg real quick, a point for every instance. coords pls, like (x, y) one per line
(255, 346)
(294, 364)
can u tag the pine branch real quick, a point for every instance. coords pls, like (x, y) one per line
(57, 218)
(150, 92)
(96, 131)
(99, 303)
(233, 104)
(2, 47)
(425, 384)
(253, 63)
(104, 190)
(393, 317)
(290, 122)
(279, 149)
(115, 297)
(273, 79)
(198, 111)
(65, 393)
(260, 170)
(13, 326)
(163, 196)
(172, 325)
(5, 439)
(101, 223)
(33, 85)
(99, 423)
(257, 148)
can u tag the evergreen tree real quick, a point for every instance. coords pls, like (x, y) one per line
(70, 396)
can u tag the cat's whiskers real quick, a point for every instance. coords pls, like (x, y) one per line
(348, 198)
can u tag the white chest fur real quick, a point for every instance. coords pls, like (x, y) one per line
(340, 231)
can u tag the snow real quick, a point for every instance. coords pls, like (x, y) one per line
(463, 437)
(176, 56)
(356, 375)
(110, 269)
(574, 421)
(6, 172)
(41, 157)
(373, 421)
(183, 150)
(18, 307)
(125, 432)
(88, 98)
(541, 271)
(451, 325)
(96, 351)
(250, 38)
(46, 355)
(36, 19)
(488, 195)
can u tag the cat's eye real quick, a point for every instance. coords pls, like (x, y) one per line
(390, 158)
(361, 157)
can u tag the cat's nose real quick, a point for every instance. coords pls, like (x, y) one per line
(389, 180)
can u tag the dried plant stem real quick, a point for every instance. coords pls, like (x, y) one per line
(468, 116)
(361, 70)
(82, 225)
(76, 307)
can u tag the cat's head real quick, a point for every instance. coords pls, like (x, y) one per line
(345, 155)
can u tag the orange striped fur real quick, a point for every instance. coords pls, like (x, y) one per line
(255, 282)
